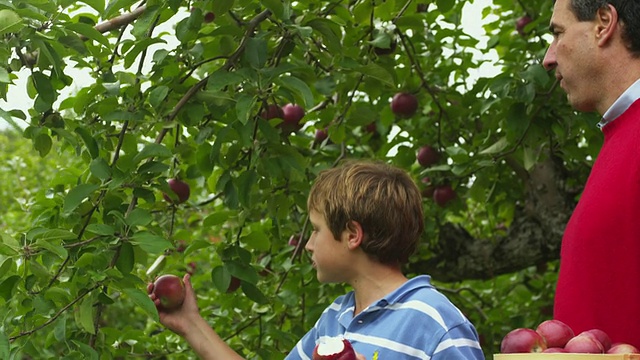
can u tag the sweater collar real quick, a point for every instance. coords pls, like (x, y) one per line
(621, 104)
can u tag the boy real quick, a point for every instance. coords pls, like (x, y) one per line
(367, 219)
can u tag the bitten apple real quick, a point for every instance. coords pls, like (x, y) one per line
(555, 333)
(522, 340)
(170, 290)
(334, 348)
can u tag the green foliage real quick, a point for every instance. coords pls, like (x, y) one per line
(82, 211)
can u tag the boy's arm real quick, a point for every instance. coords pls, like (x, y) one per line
(187, 322)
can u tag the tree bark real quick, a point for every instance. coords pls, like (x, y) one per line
(533, 238)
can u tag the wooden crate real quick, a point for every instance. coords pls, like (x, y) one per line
(566, 356)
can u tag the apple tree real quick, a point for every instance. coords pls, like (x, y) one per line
(243, 103)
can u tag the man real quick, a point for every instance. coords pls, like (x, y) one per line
(596, 56)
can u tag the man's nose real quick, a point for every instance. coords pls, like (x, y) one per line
(550, 62)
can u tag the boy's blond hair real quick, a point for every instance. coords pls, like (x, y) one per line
(382, 198)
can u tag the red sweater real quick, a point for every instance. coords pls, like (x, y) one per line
(599, 279)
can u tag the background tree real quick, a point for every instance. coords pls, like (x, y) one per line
(89, 218)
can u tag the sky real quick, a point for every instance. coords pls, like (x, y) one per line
(17, 97)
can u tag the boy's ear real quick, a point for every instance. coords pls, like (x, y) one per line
(354, 234)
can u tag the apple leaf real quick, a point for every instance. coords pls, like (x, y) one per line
(56, 249)
(84, 315)
(377, 72)
(77, 195)
(221, 278)
(89, 32)
(157, 95)
(497, 147)
(100, 169)
(101, 229)
(138, 217)
(142, 299)
(150, 243)
(4, 346)
(243, 107)
(152, 150)
(87, 351)
(299, 87)
(126, 258)
(10, 22)
(7, 286)
(254, 293)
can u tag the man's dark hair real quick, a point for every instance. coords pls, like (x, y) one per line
(628, 13)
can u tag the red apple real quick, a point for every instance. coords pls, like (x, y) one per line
(181, 246)
(170, 290)
(233, 285)
(321, 135)
(554, 350)
(427, 156)
(292, 114)
(294, 240)
(555, 333)
(603, 337)
(443, 194)
(521, 23)
(181, 190)
(209, 17)
(404, 104)
(273, 111)
(584, 343)
(334, 348)
(522, 340)
(623, 348)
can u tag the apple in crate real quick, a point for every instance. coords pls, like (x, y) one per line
(334, 348)
(585, 343)
(555, 333)
(522, 340)
(623, 348)
(602, 336)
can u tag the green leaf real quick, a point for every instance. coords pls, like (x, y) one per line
(142, 299)
(126, 258)
(150, 243)
(221, 6)
(138, 217)
(276, 7)
(44, 87)
(51, 234)
(299, 87)
(497, 147)
(7, 286)
(77, 195)
(101, 229)
(243, 107)
(57, 249)
(100, 169)
(157, 95)
(257, 240)
(42, 143)
(217, 218)
(377, 72)
(445, 5)
(254, 293)
(221, 278)
(10, 22)
(85, 260)
(245, 183)
(152, 150)
(89, 142)
(256, 52)
(89, 32)
(87, 351)
(4, 346)
(84, 315)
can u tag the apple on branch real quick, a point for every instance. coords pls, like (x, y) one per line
(180, 190)
(404, 104)
(292, 115)
(427, 156)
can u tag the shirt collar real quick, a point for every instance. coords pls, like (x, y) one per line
(621, 104)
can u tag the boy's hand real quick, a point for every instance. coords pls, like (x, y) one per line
(180, 319)
(360, 357)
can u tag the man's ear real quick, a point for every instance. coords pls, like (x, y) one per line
(607, 23)
(354, 234)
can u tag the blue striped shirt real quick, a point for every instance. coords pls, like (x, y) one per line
(413, 322)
